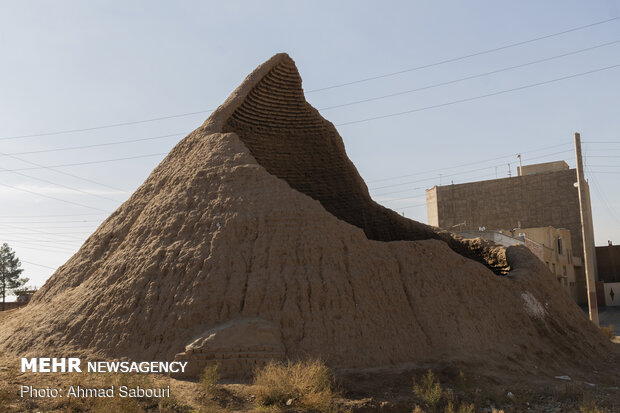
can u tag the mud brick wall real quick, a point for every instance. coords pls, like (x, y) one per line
(239, 362)
(290, 139)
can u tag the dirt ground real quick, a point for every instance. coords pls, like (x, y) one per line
(369, 390)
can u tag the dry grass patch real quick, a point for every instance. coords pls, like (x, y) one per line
(435, 399)
(589, 405)
(209, 378)
(429, 390)
(308, 384)
(609, 331)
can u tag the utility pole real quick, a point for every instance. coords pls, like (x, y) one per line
(587, 233)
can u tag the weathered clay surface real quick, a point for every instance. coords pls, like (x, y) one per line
(260, 214)
(237, 348)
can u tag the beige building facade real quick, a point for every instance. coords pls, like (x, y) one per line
(553, 247)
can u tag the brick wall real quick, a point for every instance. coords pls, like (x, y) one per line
(11, 305)
(539, 200)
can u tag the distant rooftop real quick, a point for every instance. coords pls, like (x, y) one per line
(542, 167)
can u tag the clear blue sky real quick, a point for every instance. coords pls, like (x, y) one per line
(77, 64)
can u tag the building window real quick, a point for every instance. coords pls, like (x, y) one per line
(564, 270)
(560, 246)
(553, 267)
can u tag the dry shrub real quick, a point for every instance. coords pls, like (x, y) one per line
(429, 390)
(568, 392)
(609, 331)
(589, 406)
(308, 384)
(463, 408)
(462, 383)
(209, 378)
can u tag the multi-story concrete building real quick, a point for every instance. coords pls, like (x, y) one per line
(542, 195)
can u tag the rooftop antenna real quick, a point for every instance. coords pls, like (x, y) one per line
(509, 172)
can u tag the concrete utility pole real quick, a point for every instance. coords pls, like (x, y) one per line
(587, 233)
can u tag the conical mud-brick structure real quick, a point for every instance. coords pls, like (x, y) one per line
(256, 239)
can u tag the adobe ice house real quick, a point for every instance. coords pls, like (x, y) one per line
(256, 239)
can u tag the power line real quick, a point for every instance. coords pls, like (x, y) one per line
(335, 106)
(469, 77)
(75, 226)
(455, 59)
(35, 241)
(479, 96)
(602, 195)
(410, 206)
(61, 172)
(70, 148)
(38, 265)
(54, 198)
(403, 198)
(88, 163)
(112, 125)
(50, 222)
(39, 248)
(60, 185)
(468, 164)
(382, 116)
(462, 172)
(55, 233)
(38, 231)
(52, 215)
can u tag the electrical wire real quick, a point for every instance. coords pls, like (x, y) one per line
(62, 173)
(71, 148)
(462, 172)
(456, 59)
(450, 60)
(54, 198)
(38, 265)
(469, 77)
(454, 102)
(88, 163)
(60, 185)
(468, 164)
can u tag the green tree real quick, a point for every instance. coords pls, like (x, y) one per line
(9, 272)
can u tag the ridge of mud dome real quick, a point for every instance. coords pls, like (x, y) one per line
(292, 141)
